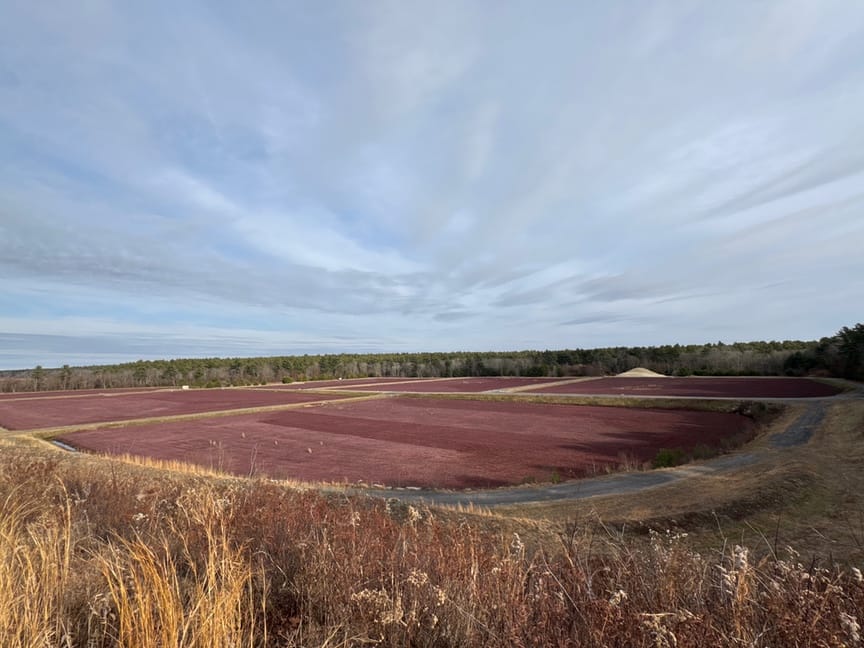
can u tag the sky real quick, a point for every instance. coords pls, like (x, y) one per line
(185, 179)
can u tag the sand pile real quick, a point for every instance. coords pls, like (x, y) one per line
(640, 372)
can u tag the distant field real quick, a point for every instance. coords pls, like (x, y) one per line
(421, 442)
(77, 392)
(100, 407)
(324, 384)
(451, 385)
(701, 387)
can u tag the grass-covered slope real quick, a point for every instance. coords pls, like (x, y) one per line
(94, 552)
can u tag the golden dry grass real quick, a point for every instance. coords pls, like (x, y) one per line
(35, 563)
(188, 600)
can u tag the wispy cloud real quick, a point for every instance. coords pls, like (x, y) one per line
(208, 180)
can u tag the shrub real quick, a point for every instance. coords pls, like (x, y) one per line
(668, 457)
(703, 451)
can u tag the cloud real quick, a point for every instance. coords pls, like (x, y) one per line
(453, 316)
(386, 176)
(599, 318)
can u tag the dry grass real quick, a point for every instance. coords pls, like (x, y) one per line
(825, 514)
(162, 596)
(100, 554)
(179, 467)
(35, 560)
(172, 466)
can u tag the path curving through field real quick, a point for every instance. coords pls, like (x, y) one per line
(797, 433)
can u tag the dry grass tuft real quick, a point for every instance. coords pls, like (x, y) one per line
(165, 596)
(35, 560)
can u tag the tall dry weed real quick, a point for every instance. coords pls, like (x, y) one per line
(174, 592)
(35, 563)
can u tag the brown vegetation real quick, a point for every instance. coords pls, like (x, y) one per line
(95, 553)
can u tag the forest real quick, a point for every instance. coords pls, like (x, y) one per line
(839, 355)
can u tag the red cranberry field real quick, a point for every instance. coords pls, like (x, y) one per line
(426, 442)
(742, 388)
(310, 432)
(118, 405)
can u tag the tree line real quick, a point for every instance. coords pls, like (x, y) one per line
(839, 355)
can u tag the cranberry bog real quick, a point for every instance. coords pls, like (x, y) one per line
(73, 408)
(421, 442)
(739, 388)
(346, 383)
(77, 393)
(456, 385)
